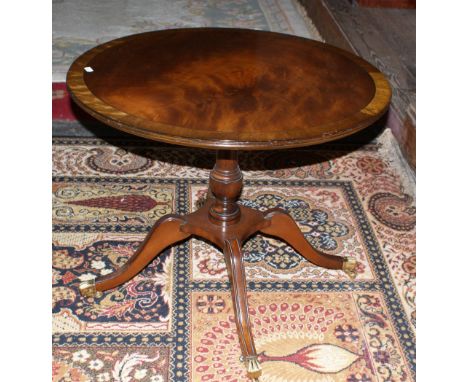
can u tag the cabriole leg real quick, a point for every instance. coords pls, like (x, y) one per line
(235, 265)
(285, 228)
(164, 233)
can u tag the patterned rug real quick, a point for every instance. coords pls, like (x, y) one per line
(174, 322)
(81, 25)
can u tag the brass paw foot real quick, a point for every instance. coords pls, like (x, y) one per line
(88, 289)
(349, 267)
(254, 370)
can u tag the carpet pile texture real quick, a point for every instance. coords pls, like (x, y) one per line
(174, 322)
(81, 25)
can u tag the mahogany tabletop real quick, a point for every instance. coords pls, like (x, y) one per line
(225, 88)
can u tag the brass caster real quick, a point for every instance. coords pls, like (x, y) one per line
(88, 289)
(349, 267)
(254, 370)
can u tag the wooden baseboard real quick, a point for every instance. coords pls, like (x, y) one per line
(326, 24)
(408, 143)
(407, 4)
(402, 125)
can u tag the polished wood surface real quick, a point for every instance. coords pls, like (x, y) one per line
(226, 186)
(165, 232)
(283, 226)
(228, 88)
(229, 238)
(235, 266)
(227, 225)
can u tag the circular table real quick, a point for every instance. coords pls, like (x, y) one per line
(227, 90)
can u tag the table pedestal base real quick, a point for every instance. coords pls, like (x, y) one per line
(227, 225)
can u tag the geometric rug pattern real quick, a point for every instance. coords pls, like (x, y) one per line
(174, 321)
